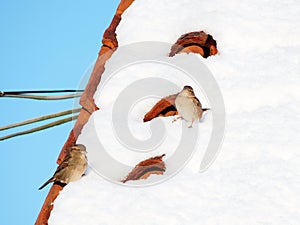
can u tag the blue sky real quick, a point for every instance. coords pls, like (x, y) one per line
(44, 45)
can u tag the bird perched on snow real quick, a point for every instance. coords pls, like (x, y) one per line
(72, 167)
(188, 106)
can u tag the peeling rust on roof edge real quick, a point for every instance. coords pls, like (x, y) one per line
(109, 44)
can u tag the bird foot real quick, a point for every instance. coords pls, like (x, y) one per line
(190, 126)
(180, 117)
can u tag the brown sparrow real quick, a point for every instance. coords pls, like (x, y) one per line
(72, 167)
(188, 106)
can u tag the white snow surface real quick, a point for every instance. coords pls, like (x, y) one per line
(256, 177)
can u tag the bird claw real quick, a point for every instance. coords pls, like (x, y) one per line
(190, 126)
(180, 117)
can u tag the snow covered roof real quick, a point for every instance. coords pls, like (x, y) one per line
(255, 179)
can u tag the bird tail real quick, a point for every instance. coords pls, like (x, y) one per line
(46, 183)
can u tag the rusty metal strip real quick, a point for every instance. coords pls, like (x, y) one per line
(109, 44)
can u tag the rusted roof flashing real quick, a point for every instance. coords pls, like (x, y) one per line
(87, 102)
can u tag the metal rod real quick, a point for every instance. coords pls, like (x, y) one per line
(39, 91)
(46, 126)
(37, 97)
(50, 116)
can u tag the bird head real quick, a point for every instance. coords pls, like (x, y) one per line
(78, 148)
(187, 91)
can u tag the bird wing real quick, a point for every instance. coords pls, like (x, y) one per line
(198, 107)
(64, 164)
(198, 103)
(60, 168)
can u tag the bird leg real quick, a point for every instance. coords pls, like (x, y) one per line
(180, 117)
(190, 126)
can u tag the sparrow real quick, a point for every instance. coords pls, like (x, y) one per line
(72, 167)
(188, 106)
